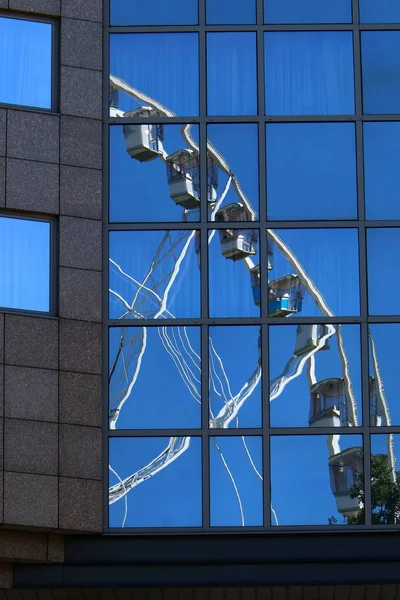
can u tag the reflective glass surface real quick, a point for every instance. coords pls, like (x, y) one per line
(155, 482)
(385, 479)
(313, 479)
(238, 145)
(381, 170)
(384, 11)
(315, 376)
(154, 173)
(380, 53)
(154, 274)
(307, 11)
(154, 378)
(236, 481)
(309, 73)
(329, 258)
(24, 264)
(157, 12)
(228, 12)
(235, 376)
(233, 284)
(25, 62)
(159, 70)
(384, 356)
(311, 171)
(383, 249)
(231, 74)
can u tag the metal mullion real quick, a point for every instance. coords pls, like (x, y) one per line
(357, 71)
(366, 433)
(276, 225)
(294, 321)
(355, 12)
(363, 273)
(266, 423)
(248, 27)
(299, 431)
(260, 13)
(360, 170)
(176, 432)
(205, 445)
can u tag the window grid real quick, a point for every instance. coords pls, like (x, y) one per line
(263, 224)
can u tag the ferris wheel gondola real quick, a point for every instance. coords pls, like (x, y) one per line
(144, 141)
(344, 469)
(328, 404)
(285, 296)
(236, 244)
(183, 173)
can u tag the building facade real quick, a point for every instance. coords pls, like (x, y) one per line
(229, 168)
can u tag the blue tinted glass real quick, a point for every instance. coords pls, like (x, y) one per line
(155, 482)
(138, 399)
(380, 51)
(236, 481)
(24, 264)
(227, 12)
(312, 478)
(307, 11)
(140, 185)
(381, 167)
(309, 73)
(238, 144)
(154, 274)
(329, 258)
(231, 74)
(25, 62)
(311, 171)
(384, 357)
(163, 66)
(384, 11)
(383, 247)
(385, 477)
(157, 12)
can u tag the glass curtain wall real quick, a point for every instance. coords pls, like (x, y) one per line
(252, 231)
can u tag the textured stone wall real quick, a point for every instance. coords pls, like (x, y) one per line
(50, 368)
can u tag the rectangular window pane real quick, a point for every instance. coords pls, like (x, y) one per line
(384, 358)
(155, 173)
(25, 62)
(154, 67)
(237, 144)
(381, 170)
(159, 479)
(385, 479)
(157, 12)
(24, 264)
(328, 395)
(154, 378)
(231, 74)
(154, 274)
(307, 11)
(317, 480)
(311, 171)
(383, 246)
(380, 53)
(309, 73)
(384, 11)
(235, 377)
(236, 481)
(233, 270)
(226, 12)
(330, 283)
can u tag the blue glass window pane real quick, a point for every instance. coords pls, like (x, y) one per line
(381, 168)
(384, 11)
(157, 12)
(25, 62)
(384, 357)
(139, 188)
(163, 66)
(385, 451)
(307, 11)
(238, 144)
(231, 74)
(309, 73)
(227, 12)
(154, 274)
(159, 478)
(311, 171)
(154, 377)
(236, 481)
(24, 264)
(380, 52)
(383, 245)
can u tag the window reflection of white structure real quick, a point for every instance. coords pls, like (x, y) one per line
(332, 401)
